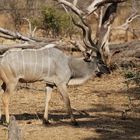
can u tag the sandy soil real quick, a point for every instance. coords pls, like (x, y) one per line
(98, 104)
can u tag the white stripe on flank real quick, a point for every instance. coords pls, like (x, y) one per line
(7, 61)
(16, 66)
(48, 64)
(40, 69)
(35, 63)
(41, 72)
(12, 62)
(30, 62)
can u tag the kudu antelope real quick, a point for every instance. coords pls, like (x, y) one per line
(53, 66)
(48, 64)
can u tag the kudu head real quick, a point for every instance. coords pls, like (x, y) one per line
(95, 57)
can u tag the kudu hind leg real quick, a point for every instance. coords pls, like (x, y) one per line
(5, 99)
(49, 89)
(63, 92)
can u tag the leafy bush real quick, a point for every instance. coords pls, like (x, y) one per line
(129, 74)
(56, 21)
(132, 77)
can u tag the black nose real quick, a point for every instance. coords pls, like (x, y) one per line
(98, 74)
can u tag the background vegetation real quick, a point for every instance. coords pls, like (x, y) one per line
(47, 17)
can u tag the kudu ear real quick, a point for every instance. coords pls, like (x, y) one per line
(86, 56)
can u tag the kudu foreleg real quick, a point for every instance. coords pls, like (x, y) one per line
(5, 99)
(64, 94)
(49, 89)
(1, 92)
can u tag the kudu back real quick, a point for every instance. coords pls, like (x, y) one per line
(47, 64)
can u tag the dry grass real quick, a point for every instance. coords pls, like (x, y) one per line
(100, 102)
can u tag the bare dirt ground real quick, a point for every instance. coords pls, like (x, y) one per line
(99, 104)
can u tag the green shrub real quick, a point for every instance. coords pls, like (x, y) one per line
(132, 76)
(129, 74)
(56, 21)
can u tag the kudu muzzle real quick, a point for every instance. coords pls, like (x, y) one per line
(102, 68)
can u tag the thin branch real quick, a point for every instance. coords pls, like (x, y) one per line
(7, 34)
(15, 35)
(87, 39)
(86, 35)
(31, 31)
(107, 17)
(78, 45)
(107, 20)
(85, 28)
(6, 37)
(125, 25)
(97, 3)
(103, 2)
(91, 8)
(30, 26)
(70, 5)
(75, 2)
(133, 16)
(101, 17)
(85, 32)
(134, 5)
(66, 10)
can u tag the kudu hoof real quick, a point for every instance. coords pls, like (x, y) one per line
(46, 122)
